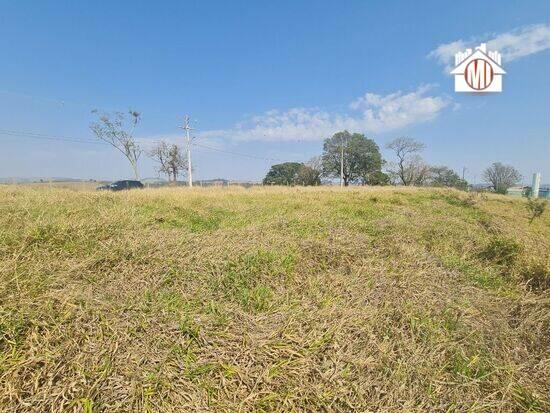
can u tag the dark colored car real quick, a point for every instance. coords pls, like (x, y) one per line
(121, 185)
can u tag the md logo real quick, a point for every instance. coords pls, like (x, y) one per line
(478, 71)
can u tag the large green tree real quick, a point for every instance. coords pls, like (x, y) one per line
(362, 161)
(443, 176)
(283, 173)
(292, 173)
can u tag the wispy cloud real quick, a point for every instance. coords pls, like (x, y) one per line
(370, 113)
(515, 44)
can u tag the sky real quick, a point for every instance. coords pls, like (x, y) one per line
(265, 82)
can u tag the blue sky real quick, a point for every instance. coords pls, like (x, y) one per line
(269, 79)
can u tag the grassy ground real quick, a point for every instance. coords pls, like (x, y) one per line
(74, 186)
(258, 300)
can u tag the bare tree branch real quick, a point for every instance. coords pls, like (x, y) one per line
(501, 177)
(113, 129)
(410, 169)
(170, 158)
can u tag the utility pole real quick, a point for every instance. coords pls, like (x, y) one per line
(463, 172)
(187, 128)
(341, 161)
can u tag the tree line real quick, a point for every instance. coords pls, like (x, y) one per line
(351, 157)
(355, 159)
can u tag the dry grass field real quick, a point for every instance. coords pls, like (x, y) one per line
(272, 300)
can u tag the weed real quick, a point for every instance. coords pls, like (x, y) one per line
(502, 251)
(536, 208)
(189, 329)
(87, 405)
(528, 401)
(475, 367)
(257, 298)
(537, 275)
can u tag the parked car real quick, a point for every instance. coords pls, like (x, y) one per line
(121, 185)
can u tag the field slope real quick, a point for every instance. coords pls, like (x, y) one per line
(261, 300)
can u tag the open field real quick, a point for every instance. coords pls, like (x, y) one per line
(74, 186)
(259, 300)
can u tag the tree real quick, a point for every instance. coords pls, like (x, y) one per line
(501, 177)
(410, 168)
(376, 178)
(443, 176)
(307, 176)
(362, 161)
(316, 163)
(118, 131)
(283, 174)
(170, 158)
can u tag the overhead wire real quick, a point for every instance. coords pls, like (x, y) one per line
(48, 137)
(72, 139)
(241, 154)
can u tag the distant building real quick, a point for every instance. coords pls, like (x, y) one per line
(518, 191)
(212, 182)
(525, 191)
(544, 191)
(481, 187)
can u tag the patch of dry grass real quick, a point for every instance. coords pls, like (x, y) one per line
(271, 299)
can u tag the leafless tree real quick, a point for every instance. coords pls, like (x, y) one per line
(117, 130)
(501, 177)
(417, 171)
(307, 176)
(170, 158)
(409, 169)
(316, 163)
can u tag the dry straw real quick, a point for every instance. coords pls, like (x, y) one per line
(271, 300)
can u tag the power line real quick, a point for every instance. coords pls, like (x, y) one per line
(61, 103)
(65, 103)
(48, 137)
(72, 139)
(242, 154)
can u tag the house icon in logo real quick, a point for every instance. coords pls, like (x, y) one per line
(478, 71)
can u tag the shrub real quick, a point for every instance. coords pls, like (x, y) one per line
(503, 251)
(537, 276)
(536, 208)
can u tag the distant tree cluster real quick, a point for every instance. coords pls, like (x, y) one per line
(442, 176)
(292, 173)
(356, 159)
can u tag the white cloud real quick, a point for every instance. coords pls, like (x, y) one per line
(515, 44)
(370, 113)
